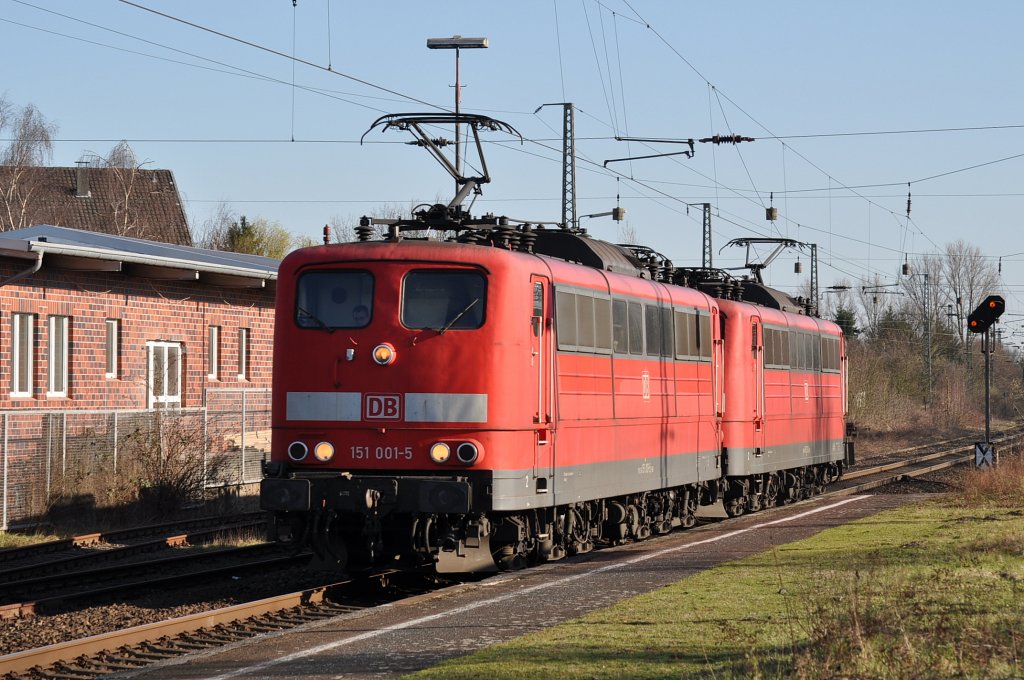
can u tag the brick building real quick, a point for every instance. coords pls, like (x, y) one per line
(97, 321)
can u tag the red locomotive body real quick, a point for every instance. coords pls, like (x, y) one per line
(471, 407)
(513, 394)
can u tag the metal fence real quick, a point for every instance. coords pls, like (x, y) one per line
(99, 458)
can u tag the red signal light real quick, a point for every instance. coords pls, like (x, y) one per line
(986, 314)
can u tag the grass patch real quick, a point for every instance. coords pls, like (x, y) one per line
(14, 539)
(929, 590)
(238, 538)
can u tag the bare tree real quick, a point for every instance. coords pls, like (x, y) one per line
(31, 146)
(876, 300)
(214, 230)
(967, 278)
(123, 164)
(628, 234)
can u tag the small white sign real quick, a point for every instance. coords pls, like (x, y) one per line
(984, 455)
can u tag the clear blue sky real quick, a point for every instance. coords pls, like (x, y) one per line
(643, 68)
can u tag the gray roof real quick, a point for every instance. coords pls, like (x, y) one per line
(94, 251)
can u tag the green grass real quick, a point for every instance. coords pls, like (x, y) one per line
(928, 590)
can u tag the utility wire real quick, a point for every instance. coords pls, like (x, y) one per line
(280, 54)
(235, 70)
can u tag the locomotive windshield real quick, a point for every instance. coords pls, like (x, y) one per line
(443, 299)
(334, 299)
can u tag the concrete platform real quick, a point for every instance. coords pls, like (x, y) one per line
(414, 634)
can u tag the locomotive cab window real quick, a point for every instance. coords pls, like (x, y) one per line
(443, 299)
(334, 299)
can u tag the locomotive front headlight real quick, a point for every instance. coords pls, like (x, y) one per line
(384, 354)
(297, 451)
(440, 452)
(323, 451)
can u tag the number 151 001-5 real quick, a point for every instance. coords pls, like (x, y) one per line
(381, 452)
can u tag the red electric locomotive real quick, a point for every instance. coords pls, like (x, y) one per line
(513, 394)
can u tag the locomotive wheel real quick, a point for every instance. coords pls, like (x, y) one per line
(771, 490)
(689, 517)
(734, 507)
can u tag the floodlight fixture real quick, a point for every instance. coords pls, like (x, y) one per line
(456, 42)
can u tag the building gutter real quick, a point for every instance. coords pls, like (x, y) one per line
(36, 266)
(16, 248)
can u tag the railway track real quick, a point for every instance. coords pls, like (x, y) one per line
(927, 461)
(171, 534)
(143, 645)
(81, 562)
(132, 648)
(47, 594)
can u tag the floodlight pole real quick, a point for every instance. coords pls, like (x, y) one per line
(457, 43)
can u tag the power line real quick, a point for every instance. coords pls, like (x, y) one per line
(280, 54)
(869, 133)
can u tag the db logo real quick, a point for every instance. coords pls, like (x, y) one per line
(383, 407)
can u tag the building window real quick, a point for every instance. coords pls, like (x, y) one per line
(164, 373)
(112, 346)
(213, 352)
(21, 355)
(57, 357)
(243, 353)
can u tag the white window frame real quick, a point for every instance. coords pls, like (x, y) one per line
(57, 345)
(243, 353)
(213, 352)
(154, 349)
(18, 322)
(112, 346)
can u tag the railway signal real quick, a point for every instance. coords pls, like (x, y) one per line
(990, 309)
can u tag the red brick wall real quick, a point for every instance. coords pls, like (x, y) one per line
(148, 310)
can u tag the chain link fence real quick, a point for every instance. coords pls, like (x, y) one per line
(106, 458)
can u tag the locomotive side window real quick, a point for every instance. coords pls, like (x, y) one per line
(776, 347)
(666, 332)
(620, 328)
(334, 299)
(830, 355)
(686, 331)
(652, 318)
(585, 322)
(565, 319)
(704, 336)
(636, 328)
(602, 324)
(443, 299)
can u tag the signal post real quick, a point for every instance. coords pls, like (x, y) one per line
(979, 321)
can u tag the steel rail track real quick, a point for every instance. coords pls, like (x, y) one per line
(23, 662)
(241, 559)
(123, 535)
(881, 475)
(82, 562)
(144, 645)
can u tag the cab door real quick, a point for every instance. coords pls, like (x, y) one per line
(541, 382)
(757, 357)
